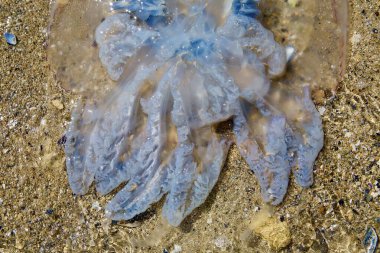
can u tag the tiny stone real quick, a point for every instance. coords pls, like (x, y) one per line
(62, 140)
(58, 104)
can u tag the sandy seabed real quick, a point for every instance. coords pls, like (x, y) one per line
(38, 212)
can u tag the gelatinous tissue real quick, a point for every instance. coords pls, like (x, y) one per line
(182, 67)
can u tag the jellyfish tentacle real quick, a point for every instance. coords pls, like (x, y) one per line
(249, 75)
(149, 179)
(196, 162)
(262, 41)
(261, 141)
(83, 120)
(215, 96)
(251, 35)
(222, 90)
(246, 8)
(306, 139)
(116, 125)
(153, 12)
(193, 179)
(118, 38)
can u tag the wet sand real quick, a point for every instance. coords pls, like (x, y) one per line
(38, 212)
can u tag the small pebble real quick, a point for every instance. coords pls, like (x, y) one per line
(62, 140)
(57, 104)
(49, 211)
(10, 38)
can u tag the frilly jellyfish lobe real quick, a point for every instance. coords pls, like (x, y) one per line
(181, 70)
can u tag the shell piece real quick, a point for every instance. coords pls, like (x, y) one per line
(10, 38)
(178, 79)
(370, 240)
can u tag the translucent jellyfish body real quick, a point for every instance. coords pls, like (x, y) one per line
(182, 67)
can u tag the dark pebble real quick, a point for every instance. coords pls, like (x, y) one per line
(143, 216)
(49, 211)
(62, 141)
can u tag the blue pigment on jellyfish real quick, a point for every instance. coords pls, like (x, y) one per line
(182, 68)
